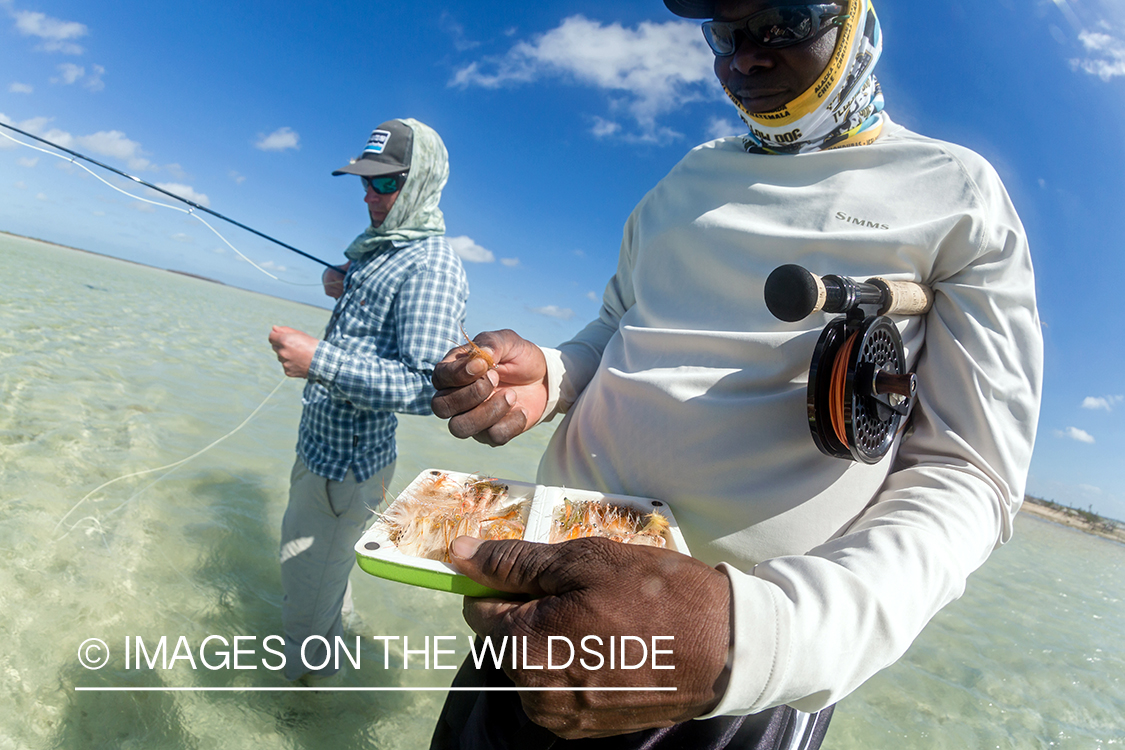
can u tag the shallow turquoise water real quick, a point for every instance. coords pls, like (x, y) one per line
(108, 368)
(1030, 657)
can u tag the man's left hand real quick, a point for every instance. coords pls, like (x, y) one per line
(607, 589)
(333, 280)
(294, 350)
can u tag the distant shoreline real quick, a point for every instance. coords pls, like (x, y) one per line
(76, 249)
(155, 268)
(1069, 517)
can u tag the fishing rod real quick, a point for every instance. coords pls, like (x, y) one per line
(150, 186)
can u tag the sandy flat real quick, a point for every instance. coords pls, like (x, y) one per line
(1071, 519)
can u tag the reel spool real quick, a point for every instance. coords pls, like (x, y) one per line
(859, 391)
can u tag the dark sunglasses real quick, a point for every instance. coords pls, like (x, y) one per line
(774, 28)
(384, 185)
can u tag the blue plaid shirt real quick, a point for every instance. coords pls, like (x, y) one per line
(401, 311)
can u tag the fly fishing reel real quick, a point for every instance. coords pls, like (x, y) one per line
(859, 391)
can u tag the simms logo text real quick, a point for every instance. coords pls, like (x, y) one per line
(860, 222)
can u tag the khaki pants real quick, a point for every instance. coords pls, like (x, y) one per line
(322, 523)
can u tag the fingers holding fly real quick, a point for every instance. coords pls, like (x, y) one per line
(458, 369)
(454, 397)
(481, 387)
(465, 363)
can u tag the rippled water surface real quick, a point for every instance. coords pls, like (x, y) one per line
(109, 369)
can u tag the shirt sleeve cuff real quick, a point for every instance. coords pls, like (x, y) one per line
(555, 372)
(757, 644)
(325, 363)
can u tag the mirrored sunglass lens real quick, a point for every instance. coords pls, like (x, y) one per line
(720, 38)
(781, 27)
(774, 27)
(381, 185)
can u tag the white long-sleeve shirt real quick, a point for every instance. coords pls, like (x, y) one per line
(687, 389)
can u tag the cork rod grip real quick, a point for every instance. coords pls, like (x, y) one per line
(903, 297)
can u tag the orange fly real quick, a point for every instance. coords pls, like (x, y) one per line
(476, 352)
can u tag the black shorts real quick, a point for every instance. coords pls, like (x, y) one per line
(479, 720)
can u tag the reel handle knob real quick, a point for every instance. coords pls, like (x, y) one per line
(891, 382)
(793, 293)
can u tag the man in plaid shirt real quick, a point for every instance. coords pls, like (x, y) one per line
(400, 302)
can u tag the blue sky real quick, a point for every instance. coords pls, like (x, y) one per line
(558, 118)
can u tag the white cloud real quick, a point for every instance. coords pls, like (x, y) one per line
(593, 296)
(21, 185)
(144, 208)
(648, 70)
(69, 73)
(553, 311)
(1102, 402)
(34, 125)
(279, 140)
(238, 178)
(176, 171)
(510, 262)
(57, 36)
(185, 191)
(456, 32)
(720, 127)
(41, 197)
(27, 161)
(20, 88)
(470, 251)
(1106, 58)
(112, 143)
(94, 82)
(272, 266)
(1076, 434)
(181, 237)
(604, 128)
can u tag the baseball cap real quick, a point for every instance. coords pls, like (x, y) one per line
(692, 8)
(387, 151)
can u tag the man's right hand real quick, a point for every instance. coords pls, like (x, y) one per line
(492, 405)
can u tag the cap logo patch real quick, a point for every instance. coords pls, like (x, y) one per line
(377, 142)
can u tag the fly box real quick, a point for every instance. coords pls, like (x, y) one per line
(409, 542)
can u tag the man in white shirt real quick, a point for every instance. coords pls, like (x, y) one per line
(809, 574)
